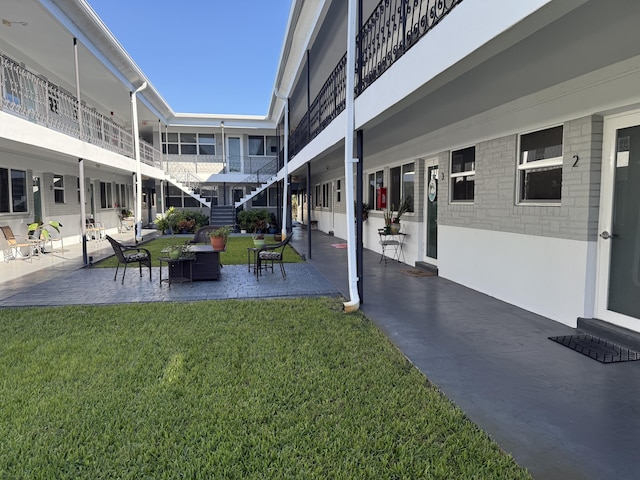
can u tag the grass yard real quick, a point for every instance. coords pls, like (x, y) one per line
(236, 253)
(226, 389)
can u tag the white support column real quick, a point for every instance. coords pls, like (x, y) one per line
(136, 143)
(354, 302)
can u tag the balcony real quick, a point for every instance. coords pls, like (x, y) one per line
(26, 95)
(391, 30)
(253, 168)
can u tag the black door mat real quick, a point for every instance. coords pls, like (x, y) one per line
(597, 348)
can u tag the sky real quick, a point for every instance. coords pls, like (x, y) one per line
(203, 56)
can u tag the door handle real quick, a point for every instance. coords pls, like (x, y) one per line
(606, 235)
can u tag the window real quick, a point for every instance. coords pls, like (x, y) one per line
(463, 174)
(338, 191)
(206, 144)
(58, 188)
(376, 182)
(170, 143)
(274, 196)
(540, 165)
(401, 185)
(256, 145)
(189, 143)
(105, 195)
(260, 200)
(13, 190)
(261, 145)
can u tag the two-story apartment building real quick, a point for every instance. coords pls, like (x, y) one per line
(510, 126)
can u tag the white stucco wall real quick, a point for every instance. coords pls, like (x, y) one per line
(549, 276)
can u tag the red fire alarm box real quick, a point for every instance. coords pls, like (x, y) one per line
(382, 198)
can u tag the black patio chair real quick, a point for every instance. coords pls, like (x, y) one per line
(273, 252)
(127, 255)
(202, 235)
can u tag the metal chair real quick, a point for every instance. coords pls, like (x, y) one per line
(127, 255)
(13, 247)
(273, 252)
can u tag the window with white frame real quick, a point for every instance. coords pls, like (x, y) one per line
(376, 182)
(13, 190)
(263, 145)
(463, 174)
(540, 166)
(106, 198)
(206, 144)
(338, 191)
(401, 185)
(58, 188)
(189, 143)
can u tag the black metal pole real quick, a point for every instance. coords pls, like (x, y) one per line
(309, 208)
(359, 214)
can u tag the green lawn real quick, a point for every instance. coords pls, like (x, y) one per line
(236, 253)
(225, 389)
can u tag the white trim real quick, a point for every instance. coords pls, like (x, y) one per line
(611, 125)
(547, 162)
(428, 163)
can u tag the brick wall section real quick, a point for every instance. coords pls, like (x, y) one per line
(54, 210)
(495, 208)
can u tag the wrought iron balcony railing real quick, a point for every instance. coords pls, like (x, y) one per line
(36, 99)
(391, 30)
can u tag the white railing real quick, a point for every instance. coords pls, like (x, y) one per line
(36, 99)
(210, 164)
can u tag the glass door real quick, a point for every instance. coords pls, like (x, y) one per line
(431, 211)
(37, 200)
(619, 236)
(234, 154)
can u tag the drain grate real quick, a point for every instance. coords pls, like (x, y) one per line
(597, 348)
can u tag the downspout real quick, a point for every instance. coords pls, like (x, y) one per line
(83, 210)
(354, 303)
(136, 143)
(285, 190)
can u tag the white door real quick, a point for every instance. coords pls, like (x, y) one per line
(618, 287)
(430, 254)
(234, 154)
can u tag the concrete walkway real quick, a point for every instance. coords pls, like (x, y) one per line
(561, 415)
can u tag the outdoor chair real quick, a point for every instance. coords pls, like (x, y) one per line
(12, 247)
(273, 252)
(202, 235)
(127, 255)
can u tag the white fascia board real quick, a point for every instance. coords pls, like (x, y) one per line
(423, 63)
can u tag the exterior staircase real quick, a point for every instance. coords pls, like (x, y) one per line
(255, 191)
(188, 183)
(223, 216)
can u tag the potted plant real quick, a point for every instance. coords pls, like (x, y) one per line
(258, 240)
(177, 251)
(392, 220)
(219, 237)
(187, 225)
